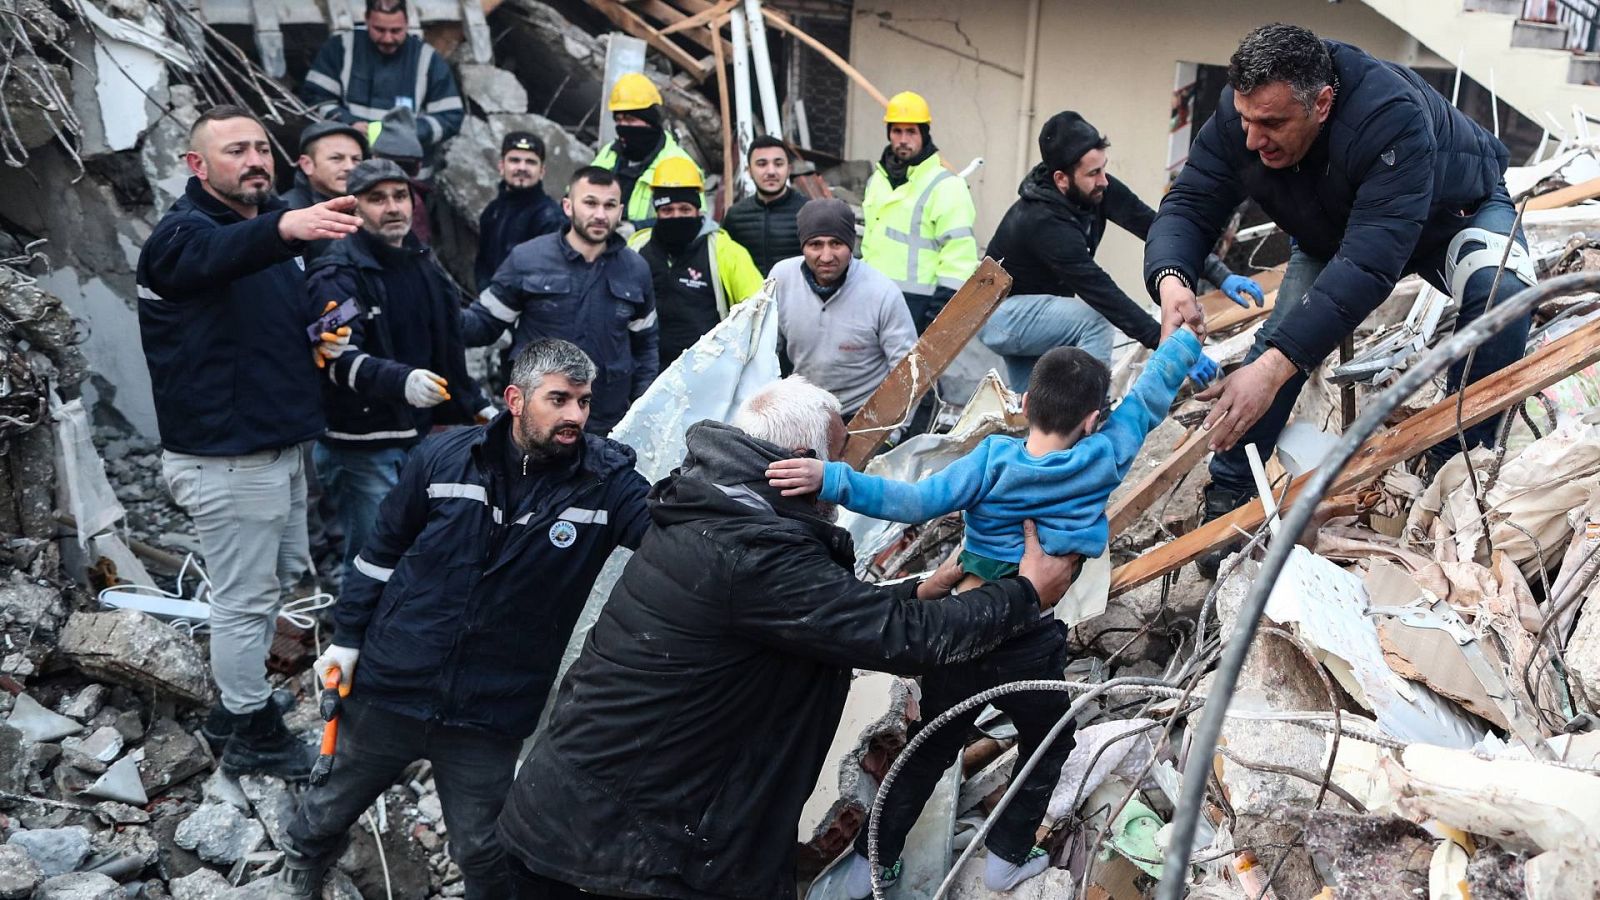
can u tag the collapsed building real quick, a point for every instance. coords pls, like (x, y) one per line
(1416, 712)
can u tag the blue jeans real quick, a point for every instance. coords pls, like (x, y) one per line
(1028, 326)
(357, 480)
(1230, 471)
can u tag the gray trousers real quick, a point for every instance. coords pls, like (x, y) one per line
(250, 513)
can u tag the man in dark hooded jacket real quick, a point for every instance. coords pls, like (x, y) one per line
(1060, 297)
(688, 734)
(521, 211)
(1375, 176)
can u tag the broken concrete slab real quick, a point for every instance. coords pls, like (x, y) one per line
(137, 650)
(14, 769)
(121, 783)
(103, 745)
(85, 703)
(874, 712)
(219, 833)
(269, 798)
(79, 886)
(220, 788)
(19, 874)
(492, 89)
(56, 851)
(169, 755)
(38, 724)
(201, 884)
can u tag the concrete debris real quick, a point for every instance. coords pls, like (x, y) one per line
(56, 851)
(1368, 857)
(120, 782)
(492, 89)
(38, 724)
(138, 650)
(170, 755)
(79, 886)
(202, 884)
(220, 834)
(103, 745)
(19, 874)
(269, 799)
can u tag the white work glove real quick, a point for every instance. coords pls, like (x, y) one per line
(343, 657)
(425, 389)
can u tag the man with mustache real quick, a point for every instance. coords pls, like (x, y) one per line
(1060, 297)
(407, 369)
(581, 284)
(222, 317)
(461, 604)
(521, 211)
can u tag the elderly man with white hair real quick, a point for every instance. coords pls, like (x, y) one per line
(689, 732)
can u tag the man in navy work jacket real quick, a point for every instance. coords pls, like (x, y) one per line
(463, 601)
(406, 369)
(222, 315)
(521, 211)
(584, 285)
(360, 75)
(1375, 176)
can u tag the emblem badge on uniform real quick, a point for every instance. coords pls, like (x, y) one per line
(563, 534)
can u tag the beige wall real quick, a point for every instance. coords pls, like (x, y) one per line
(1112, 62)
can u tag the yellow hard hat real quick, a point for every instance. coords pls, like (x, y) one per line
(906, 106)
(677, 172)
(634, 91)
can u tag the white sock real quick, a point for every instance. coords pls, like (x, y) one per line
(999, 875)
(858, 877)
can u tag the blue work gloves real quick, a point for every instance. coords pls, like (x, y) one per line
(1204, 371)
(1239, 289)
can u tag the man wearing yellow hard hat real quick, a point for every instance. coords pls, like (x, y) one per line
(642, 143)
(919, 215)
(699, 271)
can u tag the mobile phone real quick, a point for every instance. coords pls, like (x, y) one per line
(338, 317)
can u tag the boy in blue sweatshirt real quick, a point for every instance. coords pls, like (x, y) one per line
(1060, 476)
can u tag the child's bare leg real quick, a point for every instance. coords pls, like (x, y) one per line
(967, 583)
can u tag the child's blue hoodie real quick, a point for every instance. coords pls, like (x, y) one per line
(999, 484)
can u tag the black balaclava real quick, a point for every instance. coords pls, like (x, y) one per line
(637, 143)
(676, 234)
(894, 168)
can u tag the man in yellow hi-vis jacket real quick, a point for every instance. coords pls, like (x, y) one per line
(919, 215)
(643, 142)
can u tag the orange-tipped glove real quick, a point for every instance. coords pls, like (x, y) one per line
(334, 343)
(425, 389)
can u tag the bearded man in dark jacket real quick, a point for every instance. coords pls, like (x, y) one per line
(1060, 297)
(1375, 176)
(689, 732)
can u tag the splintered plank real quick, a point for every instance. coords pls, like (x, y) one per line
(1131, 505)
(1222, 313)
(956, 324)
(1577, 193)
(1487, 397)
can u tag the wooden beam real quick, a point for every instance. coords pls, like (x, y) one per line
(728, 153)
(955, 325)
(634, 24)
(1487, 397)
(1222, 313)
(1127, 509)
(1577, 193)
(709, 17)
(789, 28)
(674, 17)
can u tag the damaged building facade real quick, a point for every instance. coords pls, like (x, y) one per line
(1417, 713)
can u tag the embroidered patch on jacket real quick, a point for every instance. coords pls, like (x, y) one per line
(1387, 156)
(563, 534)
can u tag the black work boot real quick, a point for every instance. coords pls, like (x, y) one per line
(300, 878)
(1219, 502)
(262, 743)
(220, 723)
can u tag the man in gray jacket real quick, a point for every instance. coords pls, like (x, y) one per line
(841, 323)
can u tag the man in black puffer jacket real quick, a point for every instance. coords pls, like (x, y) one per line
(1375, 176)
(764, 222)
(459, 608)
(406, 370)
(692, 727)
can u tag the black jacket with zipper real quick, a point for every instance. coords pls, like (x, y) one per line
(1046, 242)
(689, 732)
(364, 393)
(460, 606)
(770, 231)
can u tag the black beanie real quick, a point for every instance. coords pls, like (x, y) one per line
(1065, 139)
(829, 217)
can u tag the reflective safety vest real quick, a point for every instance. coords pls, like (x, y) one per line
(920, 233)
(737, 279)
(636, 207)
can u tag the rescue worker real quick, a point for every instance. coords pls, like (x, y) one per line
(1375, 176)
(328, 151)
(451, 630)
(521, 211)
(699, 271)
(580, 284)
(222, 318)
(919, 215)
(1060, 297)
(764, 222)
(407, 368)
(643, 142)
(360, 75)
